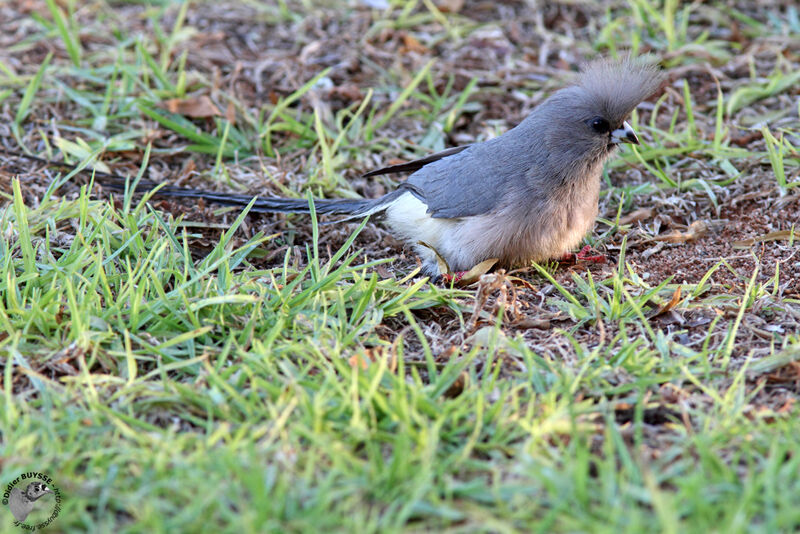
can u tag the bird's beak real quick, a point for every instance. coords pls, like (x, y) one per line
(624, 135)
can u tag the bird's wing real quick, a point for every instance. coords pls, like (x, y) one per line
(412, 166)
(470, 182)
(19, 504)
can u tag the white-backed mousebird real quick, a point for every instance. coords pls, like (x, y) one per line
(530, 194)
(21, 502)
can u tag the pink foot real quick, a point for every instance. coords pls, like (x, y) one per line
(584, 255)
(453, 278)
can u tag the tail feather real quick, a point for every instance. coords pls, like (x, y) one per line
(350, 207)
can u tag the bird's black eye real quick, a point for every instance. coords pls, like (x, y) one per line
(599, 125)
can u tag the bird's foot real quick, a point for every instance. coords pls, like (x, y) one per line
(450, 278)
(586, 254)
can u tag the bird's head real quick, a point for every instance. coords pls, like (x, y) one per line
(36, 490)
(590, 115)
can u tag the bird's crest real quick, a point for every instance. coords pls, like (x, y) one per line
(618, 85)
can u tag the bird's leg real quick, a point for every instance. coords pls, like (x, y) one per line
(584, 255)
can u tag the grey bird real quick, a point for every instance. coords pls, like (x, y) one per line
(21, 502)
(530, 194)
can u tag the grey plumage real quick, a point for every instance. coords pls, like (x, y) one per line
(417, 164)
(528, 195)
(351, 207)
(552, 147)
(21, 502)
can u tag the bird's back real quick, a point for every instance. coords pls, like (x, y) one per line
(19, 504)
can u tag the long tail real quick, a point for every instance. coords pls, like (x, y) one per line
(352, 208)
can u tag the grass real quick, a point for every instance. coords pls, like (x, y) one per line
(181, 367)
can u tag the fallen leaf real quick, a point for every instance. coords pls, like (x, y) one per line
(472, 276)
(772, 236)
(669, 305)
(527, 324)
(637, 215)
(440, 261)
(383, 272)
(695, 231)
(517, 281)
(450, 6)
(199, 107)
(411, 44)
(458, 386)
